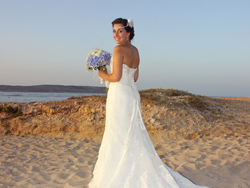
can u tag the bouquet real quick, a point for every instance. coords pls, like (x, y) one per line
(98, 60)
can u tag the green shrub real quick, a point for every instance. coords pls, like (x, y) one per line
(14, 111)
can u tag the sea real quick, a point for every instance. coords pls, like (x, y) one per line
(26, 97)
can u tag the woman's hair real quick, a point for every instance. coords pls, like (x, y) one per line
(124, 22)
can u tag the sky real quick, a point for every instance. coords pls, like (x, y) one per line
(199, 46)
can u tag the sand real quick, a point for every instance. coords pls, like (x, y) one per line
(46, 162)
(208, 145)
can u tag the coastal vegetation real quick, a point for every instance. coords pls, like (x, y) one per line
(13, 111)
(167, 96)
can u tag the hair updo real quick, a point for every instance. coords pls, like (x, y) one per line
(124, 22)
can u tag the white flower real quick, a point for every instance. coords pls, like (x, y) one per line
(130, 22)
(98, 53)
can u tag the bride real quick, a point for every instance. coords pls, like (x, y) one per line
(127, 157)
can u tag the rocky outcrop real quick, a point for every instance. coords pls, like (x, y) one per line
(176, 115)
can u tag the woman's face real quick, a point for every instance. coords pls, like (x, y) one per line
(120, 35)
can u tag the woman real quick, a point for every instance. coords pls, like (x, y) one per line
(127, 157)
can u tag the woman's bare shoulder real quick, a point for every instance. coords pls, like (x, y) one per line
(118, 50)
(135, 49)
(118, 47)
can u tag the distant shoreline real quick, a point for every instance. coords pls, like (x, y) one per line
(53, 89)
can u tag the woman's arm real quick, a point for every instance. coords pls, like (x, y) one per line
(116, 74)
(136, 74)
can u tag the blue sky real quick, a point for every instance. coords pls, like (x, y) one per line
(200, 46)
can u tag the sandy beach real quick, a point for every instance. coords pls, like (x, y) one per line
(45, 162)
(56, 144)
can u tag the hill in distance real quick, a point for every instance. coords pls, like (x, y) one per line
(53, 89)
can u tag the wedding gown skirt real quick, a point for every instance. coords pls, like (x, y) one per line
(127, 157)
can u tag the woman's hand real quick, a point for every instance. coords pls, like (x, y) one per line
(102, 73)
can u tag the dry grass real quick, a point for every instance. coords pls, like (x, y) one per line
(196, 102)
(93, 98)
(173, 98)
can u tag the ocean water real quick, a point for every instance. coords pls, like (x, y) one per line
(26, 97)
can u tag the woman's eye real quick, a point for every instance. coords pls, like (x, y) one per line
(120, 31)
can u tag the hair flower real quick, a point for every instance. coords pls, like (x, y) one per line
(130, 23)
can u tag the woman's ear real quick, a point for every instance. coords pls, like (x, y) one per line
(128, 34)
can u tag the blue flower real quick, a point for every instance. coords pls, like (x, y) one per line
(97, 60)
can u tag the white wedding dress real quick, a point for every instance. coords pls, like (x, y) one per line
(127, 157)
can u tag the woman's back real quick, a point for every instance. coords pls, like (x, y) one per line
(131, 56)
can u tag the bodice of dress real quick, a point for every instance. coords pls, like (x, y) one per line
(128, 75)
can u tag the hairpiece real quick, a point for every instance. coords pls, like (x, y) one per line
(130, 23)
(118, 27)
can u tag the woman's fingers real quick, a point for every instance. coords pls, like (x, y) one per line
(101, 73)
